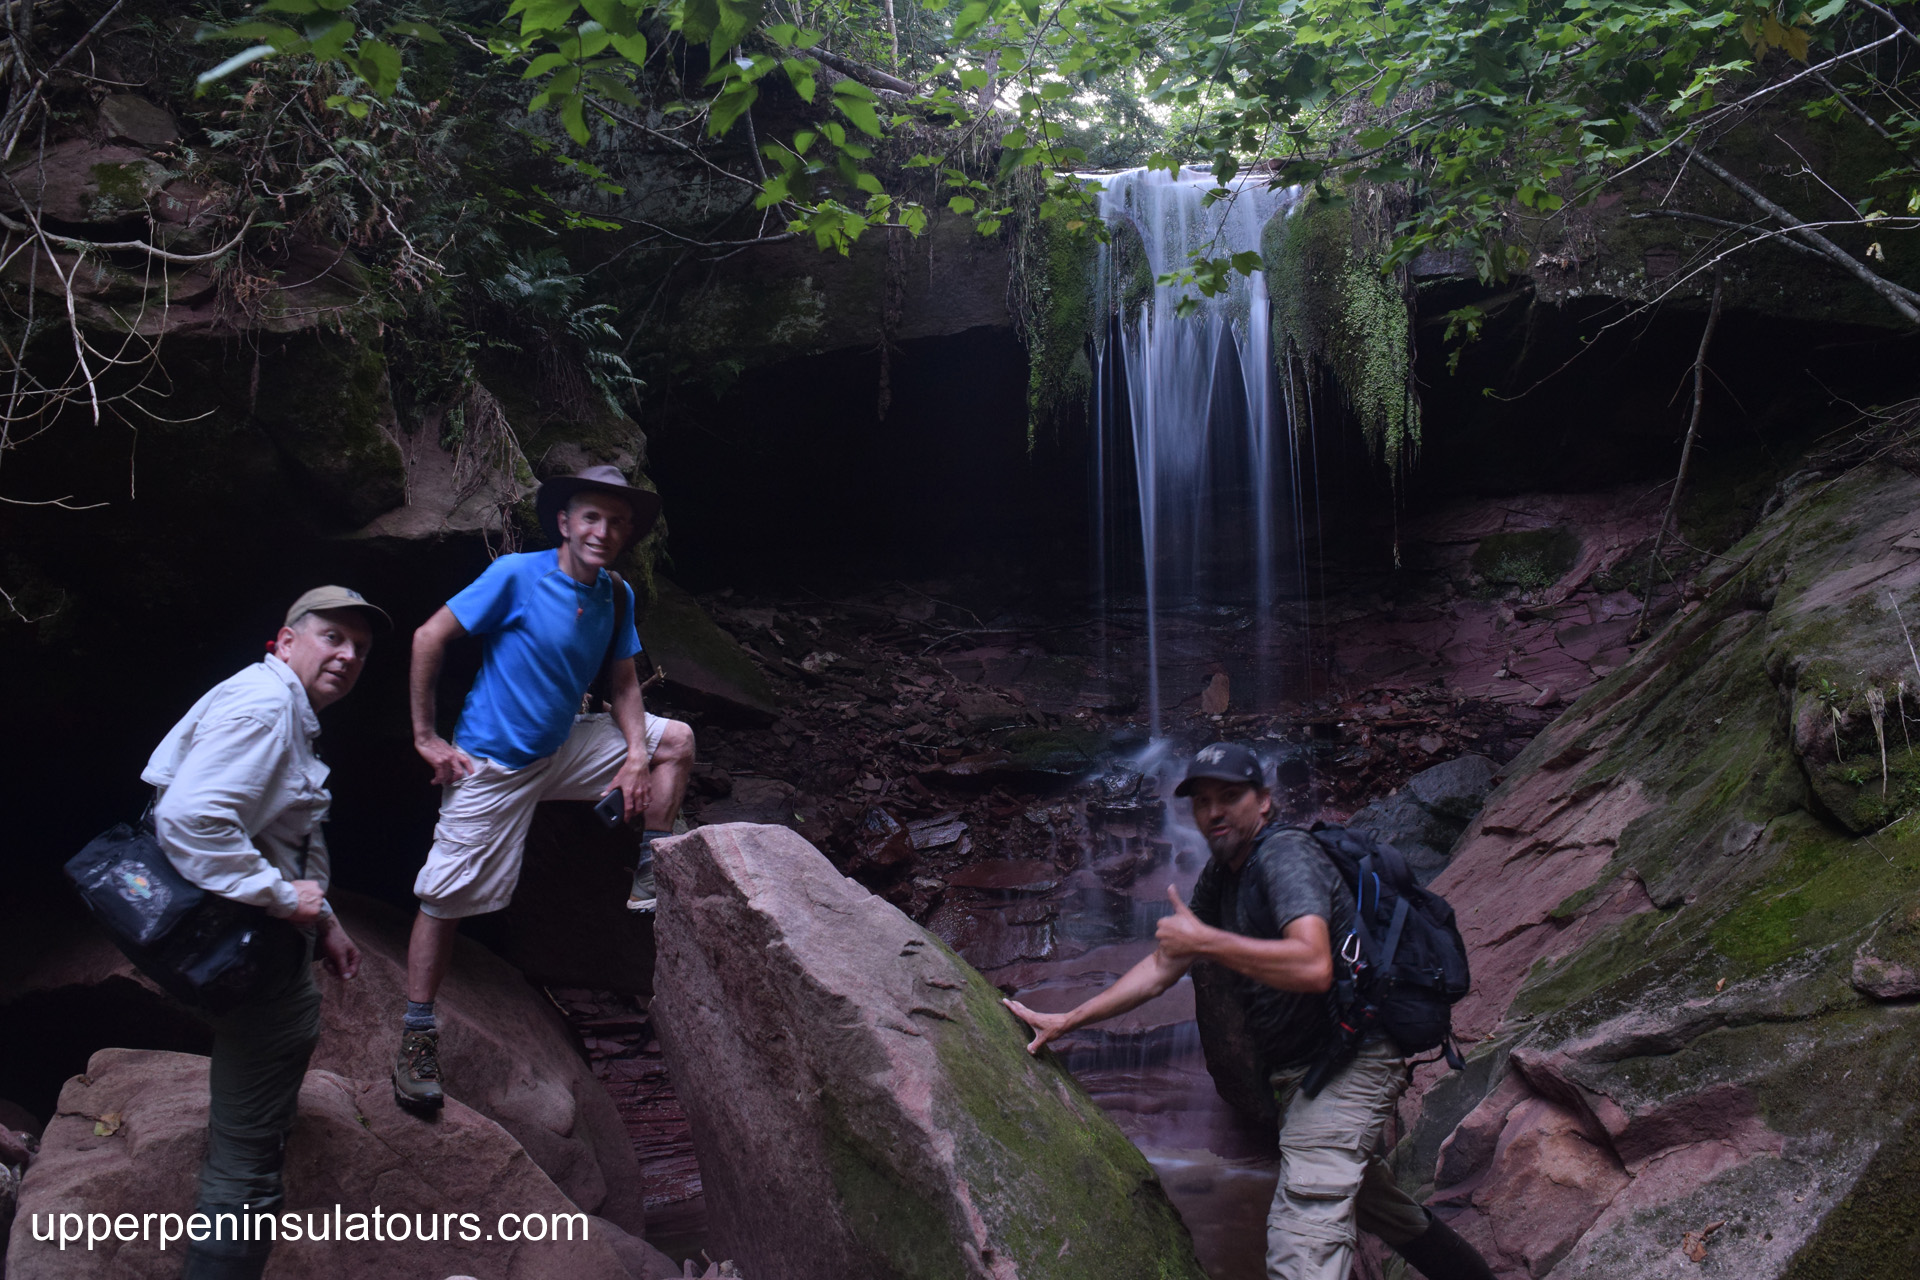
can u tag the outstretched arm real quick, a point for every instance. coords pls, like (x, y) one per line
(1136, 986)
(450, 764)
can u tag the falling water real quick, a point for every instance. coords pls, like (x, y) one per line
(1191, 406)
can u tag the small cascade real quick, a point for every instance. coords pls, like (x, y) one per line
(1193, 424)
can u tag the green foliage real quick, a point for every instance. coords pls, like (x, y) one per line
(1335, 308)
(329, 31)
(1058, 318)
(1532, 560)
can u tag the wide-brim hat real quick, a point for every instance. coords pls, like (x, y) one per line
(556, 493)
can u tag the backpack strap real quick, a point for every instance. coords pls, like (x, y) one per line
(1392, 943)
(600, 688)
(619, 611)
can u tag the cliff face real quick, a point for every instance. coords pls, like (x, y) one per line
(1691, 906)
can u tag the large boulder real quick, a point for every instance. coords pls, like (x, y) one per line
(1424, 818)
(862, 1105)
(506, 1051)
(702, 665)
(131, 1132)
(1690, 909)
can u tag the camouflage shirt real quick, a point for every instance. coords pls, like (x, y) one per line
(1288, 876)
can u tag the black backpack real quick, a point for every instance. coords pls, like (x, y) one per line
(1402, 968)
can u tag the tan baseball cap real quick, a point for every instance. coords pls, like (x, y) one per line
(323, 598)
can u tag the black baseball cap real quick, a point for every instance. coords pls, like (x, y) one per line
(1223, 762)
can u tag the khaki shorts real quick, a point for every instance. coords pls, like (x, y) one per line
(481, 837)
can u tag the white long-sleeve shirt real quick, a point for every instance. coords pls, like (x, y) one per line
(241, 794)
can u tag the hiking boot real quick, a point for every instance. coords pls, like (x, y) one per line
(643, 897)
(416, 1071)
(1440, 1254)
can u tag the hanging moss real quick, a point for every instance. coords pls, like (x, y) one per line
(1055, 266)
(1334, 309)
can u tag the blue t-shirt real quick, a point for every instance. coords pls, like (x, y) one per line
(545, 635)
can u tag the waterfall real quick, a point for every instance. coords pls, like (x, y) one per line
(1191, 410)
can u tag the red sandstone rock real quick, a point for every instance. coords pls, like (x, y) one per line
(506, 1052)
(350, 1147)
(862, 1105)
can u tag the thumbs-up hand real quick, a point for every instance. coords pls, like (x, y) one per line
(1181, 934)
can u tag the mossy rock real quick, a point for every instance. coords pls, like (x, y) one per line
(703, 666)
(1532, 561)
(325, 405)
(863, 1104)
(1771, 866)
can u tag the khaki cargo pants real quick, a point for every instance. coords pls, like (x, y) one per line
(1332, 1180)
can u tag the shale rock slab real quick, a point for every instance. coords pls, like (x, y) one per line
(130, 1134)
(862, 1104)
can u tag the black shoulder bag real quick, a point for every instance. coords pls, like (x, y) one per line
(204, 950)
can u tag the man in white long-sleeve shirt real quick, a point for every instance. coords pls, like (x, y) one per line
(240, 796)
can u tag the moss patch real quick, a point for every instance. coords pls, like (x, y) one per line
(1053, 1168)
(1060, 302)
(1532, 560)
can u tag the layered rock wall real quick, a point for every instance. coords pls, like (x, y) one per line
(1683, 905)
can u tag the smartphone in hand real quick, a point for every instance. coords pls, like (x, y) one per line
(612, 810)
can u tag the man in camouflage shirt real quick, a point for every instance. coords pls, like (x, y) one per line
(1266, 909)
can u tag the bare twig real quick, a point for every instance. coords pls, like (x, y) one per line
(1870, 122)
(1899, 27)
(1686, 453)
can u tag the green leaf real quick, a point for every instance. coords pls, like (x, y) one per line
(540, 17)
(973, 16)
(613, 15)
(573, 116)
(379, 65)
(730, 106)
(804, 139)
(962, 204)
(308, 6)
(800, 74)
(862, 114)
(633, 48)
(719, 24)
(329, 44)
(773, 191)
(543, 64)
(697, 19)
(557, 88)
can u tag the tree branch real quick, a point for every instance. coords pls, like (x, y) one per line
(1870, 122)
(1902, 300)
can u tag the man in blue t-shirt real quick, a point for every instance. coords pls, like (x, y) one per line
(548, 621)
